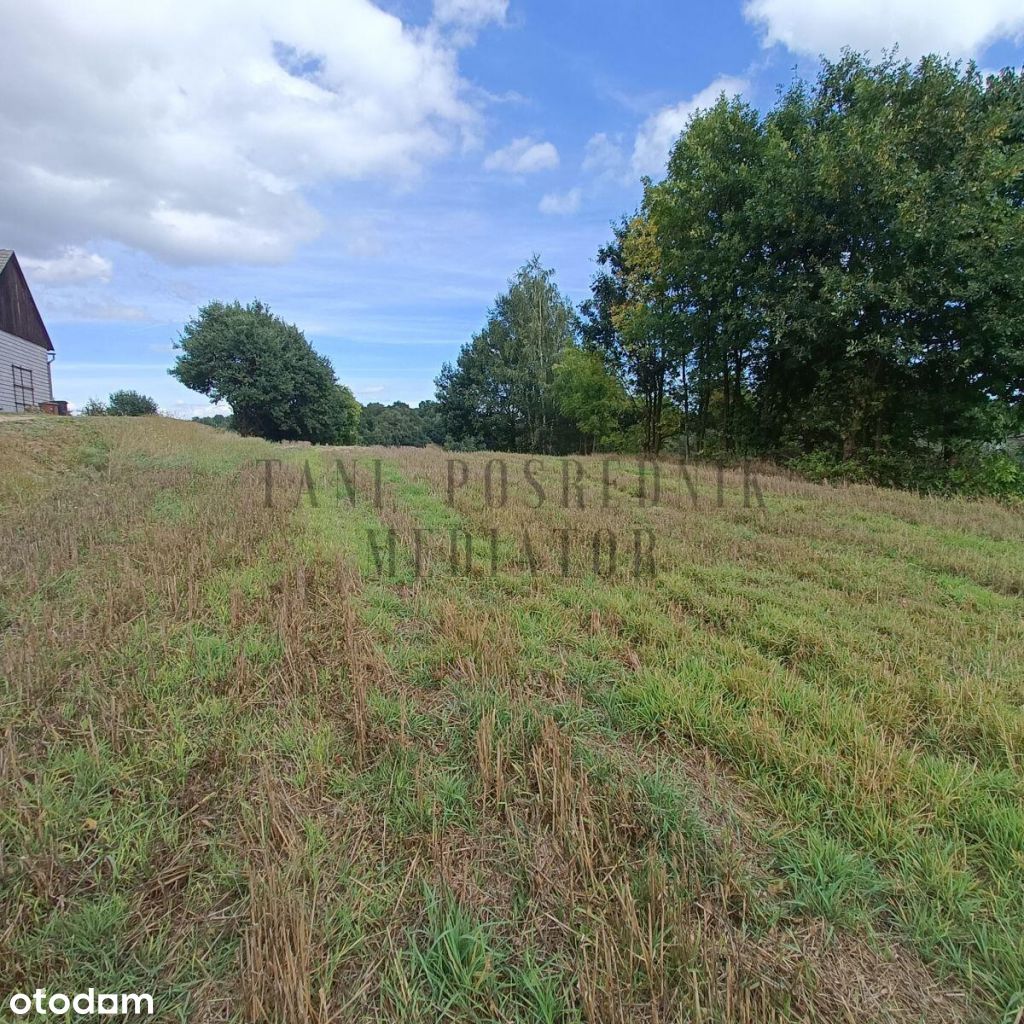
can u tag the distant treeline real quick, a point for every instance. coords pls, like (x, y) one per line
(401, 424)
(837, 283)
(394, 424)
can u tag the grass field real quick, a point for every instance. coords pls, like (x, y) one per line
(781, 779)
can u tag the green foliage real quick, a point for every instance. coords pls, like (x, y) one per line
(122, 403)
(628, 321)
(278, 387)
(400, 424)
(590, 397)
(131, 403)
(971, 469)
(499, 393)
(219, 421)
(848, 268)
(837, 283)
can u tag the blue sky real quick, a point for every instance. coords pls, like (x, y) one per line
(373, 172)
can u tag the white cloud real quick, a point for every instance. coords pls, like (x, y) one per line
(72, 266)
(561, 202)
(470, 14)
(80, 310)
(194, 136)
(181, 409)
(962, 28)
(657, 134)
(603, 157)
(113, 367)
(523, 156)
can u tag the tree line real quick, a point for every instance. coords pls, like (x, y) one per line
(837, 283)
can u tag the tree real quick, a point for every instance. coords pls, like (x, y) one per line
(498, 395)
(94, 407)
(218, 421)
(429, 413)
(846, 272)
(701, 269)
(895, 278)
(399, 424)
(627, 320)
(131, 403)
(278, 387)
(590, 397)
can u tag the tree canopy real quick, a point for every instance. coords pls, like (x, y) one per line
(846, 272)
(590, 397)
(278, 387)
(839, 278)
(499, 395)
(122, 403)
(400, 424)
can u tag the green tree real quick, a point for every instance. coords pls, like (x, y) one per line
(628, 319)
(131, 403)
(590, 397)
(278, 387)
(219, 421)
(395, 424)
(702, 270)
(429, 413)
(846, 273)
(898, 299)
(499, 392)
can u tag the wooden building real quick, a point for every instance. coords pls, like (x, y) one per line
(26, 351)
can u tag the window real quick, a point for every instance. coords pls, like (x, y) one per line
(24, 392)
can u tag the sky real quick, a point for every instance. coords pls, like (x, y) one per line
(375, 172)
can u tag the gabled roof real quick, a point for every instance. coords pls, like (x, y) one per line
(19, 314)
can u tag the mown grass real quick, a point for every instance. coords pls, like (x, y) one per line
(248, 768)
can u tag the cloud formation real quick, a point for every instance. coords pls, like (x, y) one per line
(73, 265)
(962, 28)
(561, 203)
(197, 138)
(470, 14)
(523, 156)
(603, 157)
(78, 308)
(657, 134)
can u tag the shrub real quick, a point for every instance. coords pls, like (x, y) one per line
(131, 403)
(974, 470)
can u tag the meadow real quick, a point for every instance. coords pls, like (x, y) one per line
(256, 763)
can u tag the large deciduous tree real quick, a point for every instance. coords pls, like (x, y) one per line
(591, 397)
(627, 321)
(498, 395)
(278, 387)
(847, 272)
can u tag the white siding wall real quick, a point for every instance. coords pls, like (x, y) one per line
(18, 352)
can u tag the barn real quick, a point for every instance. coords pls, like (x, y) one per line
(25, 347)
